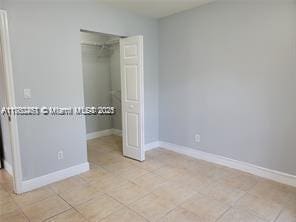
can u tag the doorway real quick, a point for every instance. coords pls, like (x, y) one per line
(102, 87)
(113, 77)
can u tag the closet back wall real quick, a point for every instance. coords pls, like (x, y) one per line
(101, 81)
(96, 84)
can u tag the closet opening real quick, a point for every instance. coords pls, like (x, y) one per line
(113, 80)
(102, 88)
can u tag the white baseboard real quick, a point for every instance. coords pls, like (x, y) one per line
(98, 134)
(151, 146)
(8, 168)
(107, 132)
(116, 132)
(274, 175)
(38, 182)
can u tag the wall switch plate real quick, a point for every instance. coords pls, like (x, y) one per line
(197, 138)
(27, 94)
(60, 155)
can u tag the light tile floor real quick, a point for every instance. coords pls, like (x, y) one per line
(165, 187)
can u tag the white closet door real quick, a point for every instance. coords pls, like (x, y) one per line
(132, 85)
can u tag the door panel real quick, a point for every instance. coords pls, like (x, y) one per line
(131, 56)
(131, 84)
(132, 129)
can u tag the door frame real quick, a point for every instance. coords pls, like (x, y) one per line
(13, 126)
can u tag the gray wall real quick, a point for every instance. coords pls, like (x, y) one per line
(45, 42)
(228, 73)
(97, 86)
(96, 83)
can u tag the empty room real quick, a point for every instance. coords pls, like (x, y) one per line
(162, 110)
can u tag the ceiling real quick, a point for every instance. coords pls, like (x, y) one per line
(156, 8)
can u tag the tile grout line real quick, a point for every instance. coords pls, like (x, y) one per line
(279, 214)
(227, 210)
(71, 208)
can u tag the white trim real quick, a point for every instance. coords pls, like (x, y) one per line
(151, 146)
(116, 132)
(107, 132)
(15, 147)
(98, 134)
(8, 168)
(41, 181)
(239, 165)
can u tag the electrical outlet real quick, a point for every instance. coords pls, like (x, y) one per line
(27, 94)
(197, 138)
(60, 155)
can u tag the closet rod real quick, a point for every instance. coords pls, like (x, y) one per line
(100, 44)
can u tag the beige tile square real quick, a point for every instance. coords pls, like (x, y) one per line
(291, 198)
(45, 209)
(155, 153)
(288, 214)
(152, 207)
(8, 187)
(94, 175)
(115, 167)
(174, 192)
(193, 182)
(15, 216)
(127, 192)
(131, 172)
(223, 192)
(148, 164)
(33, 196)
(239, 215)
(68, 216)
(180, 215)
(107, 158)
(149, 181)
(71, 183)
(212, 171)
(242, 181)
(265, 209)
(184, 162)
(79, 195)
(8, 206)
(206, 208)
(169, 172)
(99, 207)
(271, 191)
(4, 176)
(124, 215)
(4, 196)
(108, 182)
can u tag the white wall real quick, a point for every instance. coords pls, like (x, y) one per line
(45, 42)
(228, 73)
